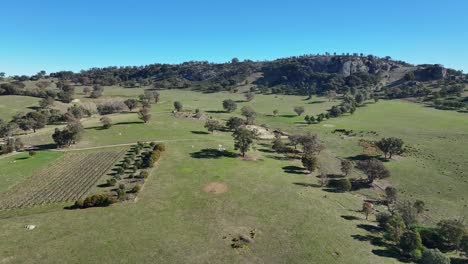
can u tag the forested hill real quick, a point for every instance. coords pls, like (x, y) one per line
(308, 74)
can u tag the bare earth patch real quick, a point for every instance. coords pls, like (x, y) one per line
(215, 187)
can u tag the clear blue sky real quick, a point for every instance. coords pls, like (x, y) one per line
(72, 35)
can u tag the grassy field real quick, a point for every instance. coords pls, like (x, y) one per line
(12, 104)
(176, 221)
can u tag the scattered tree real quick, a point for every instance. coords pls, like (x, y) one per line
(106, 122)
(243, 139)
(229, 105)
(390, 146)
(346, 167)
(310, 162)
(212, 125)
(249, 114)
(374, 169)
(434, 256)
(144, 114)
(131, 103)
(235, 122)
(299, 110)
(178, 106)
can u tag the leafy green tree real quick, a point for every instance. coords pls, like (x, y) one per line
(144, 114)
(410, 243)
(275, 112)
(463, 247)
(229, 105)
(249, 114)
(394, 228)
(235, 122)
(178, 106)
(278, 145)
(46, 102)
(390, 146)
(243, 139)
(249, 96)
(391, 195)
(451, 232)
(346, 167)
(374, 169)
(299, 110)
(106, 122)
(131, 103)
(212, 125)
(310, 162)
(434, 256)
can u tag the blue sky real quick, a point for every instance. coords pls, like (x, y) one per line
(72, 35)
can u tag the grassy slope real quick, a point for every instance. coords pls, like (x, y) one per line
(12, 104)
(18, 167)
(174, 221)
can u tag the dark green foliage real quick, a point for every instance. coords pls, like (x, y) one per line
(144, 174)
(111, 182)
(382, 218)
(434, 256)
(131, 103)
(243, 139)
(212, 125)
(342, 185)
(394, 228)
(160, 146)
(390, 146)
(235, 122)
(451, 232)
(178, 106)
(346, 167)
(229, 105)
(69, 135)
(96, 200)
(299, 110)
(310, 162)
(410, 241)
(374, 169)
(249, 113)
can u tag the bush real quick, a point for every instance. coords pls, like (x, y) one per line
(111, 182)
(434, 256)
(343, 185)
(144, 174)
(136, 188)
(160, 146)
(382, 218)
(410, 242)
(96, 200)
(430, 237)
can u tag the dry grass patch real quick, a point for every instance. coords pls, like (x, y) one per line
(215, 188)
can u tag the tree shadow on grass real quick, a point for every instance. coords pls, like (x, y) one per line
(279, 157)
(370, 228)
(288, 116)
(199, 132)
(317, 102)
(305, 184)
(213, 154)
(350, 217)
(362, 157)
(294, 170)
(266, 150)
(216, 111)
(45, 146)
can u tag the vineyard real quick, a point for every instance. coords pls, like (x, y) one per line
(66, 180)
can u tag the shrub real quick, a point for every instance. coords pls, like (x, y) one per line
(111, 182)
(434, 256)
(96, 200)
(383, 218)
(144, 174)
(451, 232)
(136, 188)
(430, 237)
(343, 185)
(410, 242)
(160, 146)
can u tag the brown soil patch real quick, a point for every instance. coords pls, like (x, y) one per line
(215, 187)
